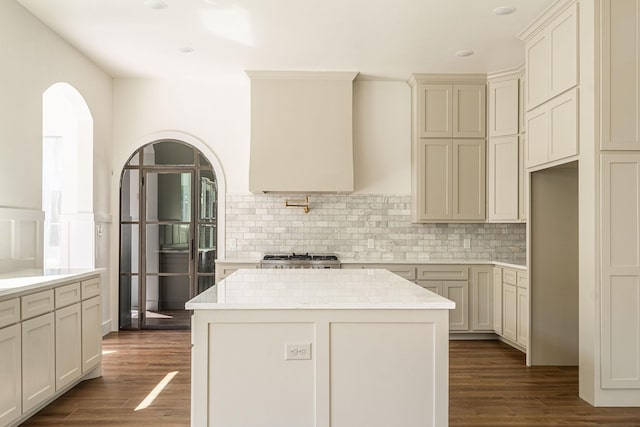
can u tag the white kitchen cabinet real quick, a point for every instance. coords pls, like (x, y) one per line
(552, 130)
(620, 75)
(458, 292)
(38, 360)
(451, 110)
(451, 180)
(469, 171)
(91, 334)
(406, 271)
(503, 107)
(481, 292)
(504, 179)
(497, 300)
(510, 311)
(551, 58)
(224, 268)
(523, 189)
(68, 345)
(434, 286)
(522, 310)
(10, 374)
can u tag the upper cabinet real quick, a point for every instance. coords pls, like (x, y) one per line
(552, 86)
(620, 75)
(503, 107)
(551, 57)
(451, 110)
(449, 148)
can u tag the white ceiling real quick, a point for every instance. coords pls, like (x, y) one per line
(379, 38)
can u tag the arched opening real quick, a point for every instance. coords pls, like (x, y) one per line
(67, 179)
(168, 233)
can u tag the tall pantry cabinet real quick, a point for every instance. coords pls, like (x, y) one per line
(582, 101)
(448, 148)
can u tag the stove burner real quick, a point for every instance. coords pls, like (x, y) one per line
(295, 260)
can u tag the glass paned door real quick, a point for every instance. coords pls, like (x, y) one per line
(168, 247)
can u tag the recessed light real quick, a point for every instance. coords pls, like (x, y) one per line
(504, 10)
(465, 52)
(156, 4)
(185, 49)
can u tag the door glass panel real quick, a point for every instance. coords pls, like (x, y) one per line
(204, 161)
(207, 196)
(135, 160)
(168, 153)
(205, 282)
(166, 296)
(128, 302)
(168, 196)
(129, 248)
(129, 197)
(167, 248)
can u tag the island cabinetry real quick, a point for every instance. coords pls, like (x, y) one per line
(452, 282)
(317, 348)
(448, 148)
(10, 355)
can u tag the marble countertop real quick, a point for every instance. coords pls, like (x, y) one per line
(18, 282)
(317, 289)
(517, 264)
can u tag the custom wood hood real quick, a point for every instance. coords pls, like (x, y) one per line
(301, 132)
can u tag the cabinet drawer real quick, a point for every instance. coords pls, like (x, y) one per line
(36, 304)
(443, 272)
(405, 271)
(9, 312)
(523, 279)
(90, 288)
(509, 277)
(67, 295)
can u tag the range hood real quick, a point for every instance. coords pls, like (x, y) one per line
(301, 132)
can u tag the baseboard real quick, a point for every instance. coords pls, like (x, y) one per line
(470, 336)
(106, 327)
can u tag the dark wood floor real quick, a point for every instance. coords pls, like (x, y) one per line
(489, 386)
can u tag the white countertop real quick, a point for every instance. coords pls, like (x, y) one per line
(17, 282)
(317, 289)
(519, 265)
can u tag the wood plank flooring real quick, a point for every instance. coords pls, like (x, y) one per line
(489, 386)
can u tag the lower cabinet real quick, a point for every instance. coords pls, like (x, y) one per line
(38, 360)
(10, 374)
(68, 345)
(481, 295)
(497, 300)
(509, 311)
(458, 292)
(513, 320)
(523, 317)
(91, 334)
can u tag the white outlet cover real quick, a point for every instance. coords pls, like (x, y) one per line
(297, 351)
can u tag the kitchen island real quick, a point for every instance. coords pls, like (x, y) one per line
(319, 348)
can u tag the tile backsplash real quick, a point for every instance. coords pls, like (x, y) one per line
(344, 224)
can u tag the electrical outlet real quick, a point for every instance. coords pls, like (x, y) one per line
(467, 243)
(370, 244)
(297, 351)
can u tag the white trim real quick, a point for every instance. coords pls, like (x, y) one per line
(103, 217)
(21, 213)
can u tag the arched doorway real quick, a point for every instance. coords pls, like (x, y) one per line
(168, 228)
(67, 179)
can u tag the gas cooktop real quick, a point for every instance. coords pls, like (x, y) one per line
(295, 260)
(300, 257)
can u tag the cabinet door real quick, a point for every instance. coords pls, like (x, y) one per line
(481, 307)
(68, 345)
(563, 45)
(503, 107)
(503, 178)
(458, 292)
(538, 70)
(523, 192)
(91, 334)
(435, 180)
(620, 75)
(469, 164)
(435, 111)
(469, 111)
(434, 286)
(537, 137)
(563, 126)
(523, 317)
(10, 374)
(497, 300)
(509, 311)
(38, 360)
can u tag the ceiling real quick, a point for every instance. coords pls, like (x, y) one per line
(379, 38)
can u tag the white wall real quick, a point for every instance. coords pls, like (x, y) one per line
(34, 58)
